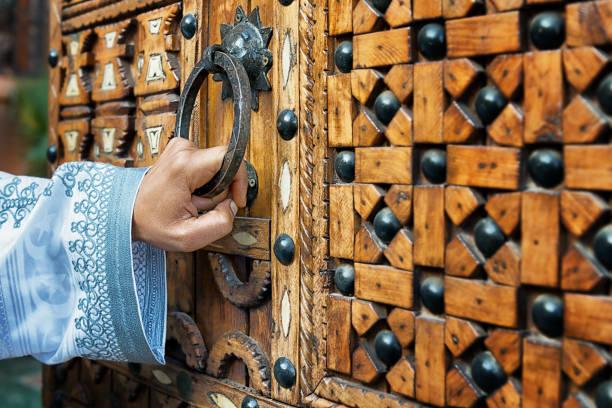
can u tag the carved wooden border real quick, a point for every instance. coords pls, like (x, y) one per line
(314, 48)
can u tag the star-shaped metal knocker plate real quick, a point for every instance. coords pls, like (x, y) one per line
(248, 41)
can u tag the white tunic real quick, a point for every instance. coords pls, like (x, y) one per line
(72, 282)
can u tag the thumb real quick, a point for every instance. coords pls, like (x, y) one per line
(211, 226)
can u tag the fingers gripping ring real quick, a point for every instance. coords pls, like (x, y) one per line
(214, 60)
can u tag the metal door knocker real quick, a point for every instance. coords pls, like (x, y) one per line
(241, 62)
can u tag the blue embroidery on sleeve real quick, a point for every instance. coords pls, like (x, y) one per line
(17, 203)
(97, 338)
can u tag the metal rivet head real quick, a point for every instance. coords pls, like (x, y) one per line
(53, 58)
(432, 41)
(284, 249)
(345, 166)
(488, 236)
(60, 373)
(52, 153)
(386, 225)
(432, 294)
(487, 372)
(381, 5)
(386, 106)
(602, 246)
(547, 314)
(344, 278)
(604, 94)
(387, 347)
(603, 395)
(547, 30)
(545, 166)
(284, 372)
(433, 165)
(343, 57)
(285, 2)
(184, 386)
(249, 402)
(287, 124)
(189, 25)
(489, 103)
(252, 183)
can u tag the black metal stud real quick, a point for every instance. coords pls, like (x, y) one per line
(189, 26)
(52, 153)
(287, 124)
(284, 249)
(249, 402)
(603, 395)
(432, 294)
(547, 314)
(343, 57)
(345, 166)
(184, 386)
(381, 5)
(344, 278)
(134, 368)
(487, 372)
(547, 30)
(489, 103)
(604, 94)
(545, 167)
(285, 2)
(432, 41)
(387, 347)
(488, 236)
(385, 106)
(252, 183)
(284, 372)
(602, 246)
(386, 225)
(433, 165)
(53, 57)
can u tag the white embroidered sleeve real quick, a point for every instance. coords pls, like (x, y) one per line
(72, 282)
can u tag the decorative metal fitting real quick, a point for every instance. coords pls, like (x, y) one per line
(53, 58)
(189, 26)
(248, 41)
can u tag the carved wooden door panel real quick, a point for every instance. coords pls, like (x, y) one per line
(117, 71)
(432, 222)
(471, 269)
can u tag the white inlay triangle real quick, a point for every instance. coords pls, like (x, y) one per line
(139, 64)
(154, 25)
(154, 69)
(154, 134)
(109, 39)
(285, 185)
(140, 149)
(108, 79)
(108, 138)
(72, 89)
(220, 400)
(71, 139)
(287, 58)
(244, 238)
(74, 47)
(285, 313)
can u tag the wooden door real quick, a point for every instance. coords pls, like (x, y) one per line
(447, 193)
(472, 268)
(117, 70)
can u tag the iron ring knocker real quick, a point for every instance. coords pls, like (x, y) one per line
(216, 60)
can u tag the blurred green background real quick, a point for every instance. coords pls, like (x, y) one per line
(23, 143)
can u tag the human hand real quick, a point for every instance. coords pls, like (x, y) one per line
(166, 212)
